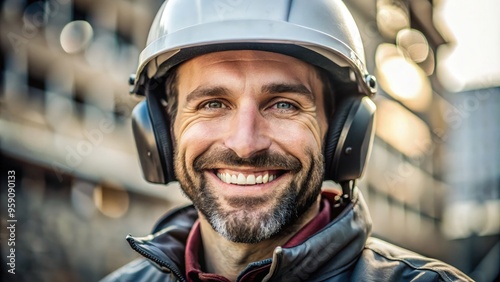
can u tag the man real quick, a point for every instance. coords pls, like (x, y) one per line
(250, 105)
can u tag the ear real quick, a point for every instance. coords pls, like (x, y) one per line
(349, 139)
(151, 128)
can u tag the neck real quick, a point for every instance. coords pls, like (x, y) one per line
(229, 259)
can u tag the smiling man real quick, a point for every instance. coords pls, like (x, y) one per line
(253, 185)
(248, 138)
(250, 106)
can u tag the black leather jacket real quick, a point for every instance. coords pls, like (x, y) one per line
(341, 251)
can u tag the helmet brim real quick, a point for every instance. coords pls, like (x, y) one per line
(280, 37)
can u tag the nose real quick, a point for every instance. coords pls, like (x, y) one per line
(248, 132)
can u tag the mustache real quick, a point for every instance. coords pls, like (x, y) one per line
(216, 157)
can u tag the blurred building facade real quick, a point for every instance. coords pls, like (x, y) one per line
(433, 181)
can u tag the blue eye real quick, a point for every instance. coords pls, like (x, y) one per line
(215, 105)
(284, 106)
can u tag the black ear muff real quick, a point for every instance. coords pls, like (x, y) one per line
(151, 128)
(349, 139)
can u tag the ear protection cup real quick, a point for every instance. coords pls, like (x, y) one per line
(349, 139)
(151, 128)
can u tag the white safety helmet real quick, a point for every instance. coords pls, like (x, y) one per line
(320, 32)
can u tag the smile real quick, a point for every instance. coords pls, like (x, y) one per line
(247, 179)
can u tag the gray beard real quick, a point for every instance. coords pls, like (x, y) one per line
(249, 225)
(245, 222)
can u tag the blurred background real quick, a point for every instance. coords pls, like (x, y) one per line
(433, 182)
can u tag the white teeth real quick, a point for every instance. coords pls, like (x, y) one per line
(242, 179)
(251, 179)
(258, 180)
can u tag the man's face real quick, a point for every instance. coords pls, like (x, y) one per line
(248, 133)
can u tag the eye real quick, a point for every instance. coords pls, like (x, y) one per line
(284, 106)
(214, 105)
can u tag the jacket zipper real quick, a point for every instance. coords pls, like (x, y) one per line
(278, 251)
(163, 264)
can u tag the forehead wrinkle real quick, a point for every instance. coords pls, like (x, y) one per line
(242, 56)
(242, 60)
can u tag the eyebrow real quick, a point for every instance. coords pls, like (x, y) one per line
(277, 88)
(272, 88)
(202, 92)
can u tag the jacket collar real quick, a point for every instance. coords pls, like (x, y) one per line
(335, 247)
(330, 251)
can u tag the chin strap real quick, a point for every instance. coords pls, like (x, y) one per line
(346, 197)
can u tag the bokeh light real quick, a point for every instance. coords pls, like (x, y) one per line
(413, 44)
(402, 78)
(75, 36)
(391, 18)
